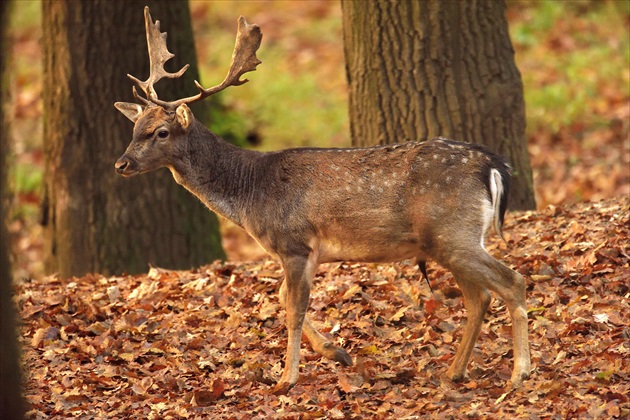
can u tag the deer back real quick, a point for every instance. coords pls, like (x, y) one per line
(375, 204)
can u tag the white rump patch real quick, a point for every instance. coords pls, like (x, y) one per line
(487, 215)
(496, 192)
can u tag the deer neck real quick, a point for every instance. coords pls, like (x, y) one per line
(218, 173)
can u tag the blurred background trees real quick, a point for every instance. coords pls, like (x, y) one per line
(573, 58)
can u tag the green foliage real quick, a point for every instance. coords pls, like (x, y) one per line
(544, 14)
(294, 98)
(27, 177)
(223, 121)
(571, 56)
(287, 111)
(26, 181)
(296, 112)
(25, 14)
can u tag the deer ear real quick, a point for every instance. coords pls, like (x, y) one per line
(130, 110)
(184, 116)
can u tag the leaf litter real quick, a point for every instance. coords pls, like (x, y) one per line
(210, 342)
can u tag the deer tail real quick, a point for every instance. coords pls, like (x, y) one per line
(499, 189)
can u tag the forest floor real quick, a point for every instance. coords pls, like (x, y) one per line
(209, 343)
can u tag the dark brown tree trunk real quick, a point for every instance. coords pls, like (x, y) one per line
(95, 220)
(11, 402)
(421, 69)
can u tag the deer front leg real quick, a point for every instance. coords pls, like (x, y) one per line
(318, 341)
(298, 272)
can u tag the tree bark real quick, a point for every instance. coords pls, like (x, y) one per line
(95, 220)
(11, 402)
(421, 69)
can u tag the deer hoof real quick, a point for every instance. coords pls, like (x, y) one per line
(282, 388)
(517, 379)
(337, 354)
(343, 357)
(455, 375)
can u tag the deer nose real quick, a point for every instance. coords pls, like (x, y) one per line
(122, 164)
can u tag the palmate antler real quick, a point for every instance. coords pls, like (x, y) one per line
(244, 59)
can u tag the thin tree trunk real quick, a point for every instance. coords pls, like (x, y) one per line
(421, 69)
(95, 220)
(11, 402)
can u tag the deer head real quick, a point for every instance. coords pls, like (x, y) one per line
(161, 127)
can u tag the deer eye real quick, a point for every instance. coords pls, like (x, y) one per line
(162, 134)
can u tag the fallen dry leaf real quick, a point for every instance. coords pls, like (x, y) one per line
(210, 342)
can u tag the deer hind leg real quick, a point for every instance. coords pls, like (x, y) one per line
(318, 341)
(515, 298)
(477, 269)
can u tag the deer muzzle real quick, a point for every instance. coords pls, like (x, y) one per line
(126, 166)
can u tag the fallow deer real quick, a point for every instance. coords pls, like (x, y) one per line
(306, 206)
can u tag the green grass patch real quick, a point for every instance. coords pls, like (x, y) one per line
(26, 181)
(25, 14)
(27, 177)
(574, 59)
(295, 97)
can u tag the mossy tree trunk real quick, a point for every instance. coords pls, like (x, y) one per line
(421, 69)
(95, 220)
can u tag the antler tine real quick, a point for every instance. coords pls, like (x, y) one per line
(244, 60)
(138, 97)
(158, 55)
